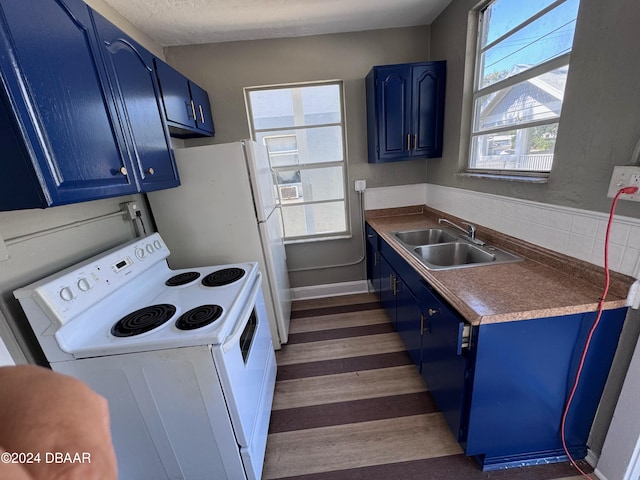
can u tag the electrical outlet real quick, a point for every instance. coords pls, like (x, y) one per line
(627, 176)
(361, 185)
(129, 210)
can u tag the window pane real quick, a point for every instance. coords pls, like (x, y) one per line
(284, 107)
(310, 185)
(303, 147)
(538, 98)
(548, 37)
(529, 149)
(303, 129)
(318, 218)
(504, 15)
(282, 148)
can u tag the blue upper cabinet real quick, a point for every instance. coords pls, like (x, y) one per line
(427, 103)
(133, 81)
(405, 111)
(59, 128)
(186, 105)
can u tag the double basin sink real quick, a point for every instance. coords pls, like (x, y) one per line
(442, 249)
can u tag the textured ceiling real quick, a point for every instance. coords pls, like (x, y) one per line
(186, 22)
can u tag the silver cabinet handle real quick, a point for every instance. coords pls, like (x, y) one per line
(193, 110)
(201, 114)
(123, 171)
(150, 171)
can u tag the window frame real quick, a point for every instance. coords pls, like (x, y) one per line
(347, 232)
(472, 92)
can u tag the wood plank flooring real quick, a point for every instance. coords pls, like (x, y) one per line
(350, 405)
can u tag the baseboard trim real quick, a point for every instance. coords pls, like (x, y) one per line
(592, 459)
(329, 290)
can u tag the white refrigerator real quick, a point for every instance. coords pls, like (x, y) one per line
(226, 211)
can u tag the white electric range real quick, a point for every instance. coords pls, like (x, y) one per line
(184, 357)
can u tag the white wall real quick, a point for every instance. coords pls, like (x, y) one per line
(575, 232)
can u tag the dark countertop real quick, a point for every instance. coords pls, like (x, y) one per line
(545, 284)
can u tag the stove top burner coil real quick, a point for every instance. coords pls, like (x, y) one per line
(199, 317)
(143, 320)
(223, 277)
(182, 279)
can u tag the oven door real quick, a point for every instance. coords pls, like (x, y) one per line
(246, 364)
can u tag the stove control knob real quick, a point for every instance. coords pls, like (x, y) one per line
(84, 284)
(66, 294)
(157, 244)
(140, 253)
(150, 248)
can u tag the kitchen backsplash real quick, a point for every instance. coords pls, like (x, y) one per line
(571, 231)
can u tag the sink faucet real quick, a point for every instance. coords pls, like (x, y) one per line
(470, 232)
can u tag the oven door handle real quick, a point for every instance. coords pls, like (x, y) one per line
(233, 338)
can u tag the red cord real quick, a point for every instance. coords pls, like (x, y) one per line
(627, 190)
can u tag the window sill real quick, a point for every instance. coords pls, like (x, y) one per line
(506, 178)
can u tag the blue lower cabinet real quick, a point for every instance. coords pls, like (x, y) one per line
(522, 375)
(409, 321)
(502, 387)
(445, 360)
(388, 288)
(373, 259)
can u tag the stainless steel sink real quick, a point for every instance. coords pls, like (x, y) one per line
(427, 236)
(450, 254)
(444, 256)
(444, 248)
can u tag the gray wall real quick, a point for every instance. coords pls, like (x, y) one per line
(31, 259)
(600, 121)
(223, 69)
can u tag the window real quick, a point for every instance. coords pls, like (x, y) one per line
(302, 126)
(521, 66)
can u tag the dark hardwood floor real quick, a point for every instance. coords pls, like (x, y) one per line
(350, 405)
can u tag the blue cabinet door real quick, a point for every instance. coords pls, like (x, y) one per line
(444, 360)
(204, 119)
(176, 96)
(409, 322)
(523, 374)
(427, 108)
(186, 105)
(133, 79)
(387, 289)
(391, 125)
(373, 259)
(60, 106)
